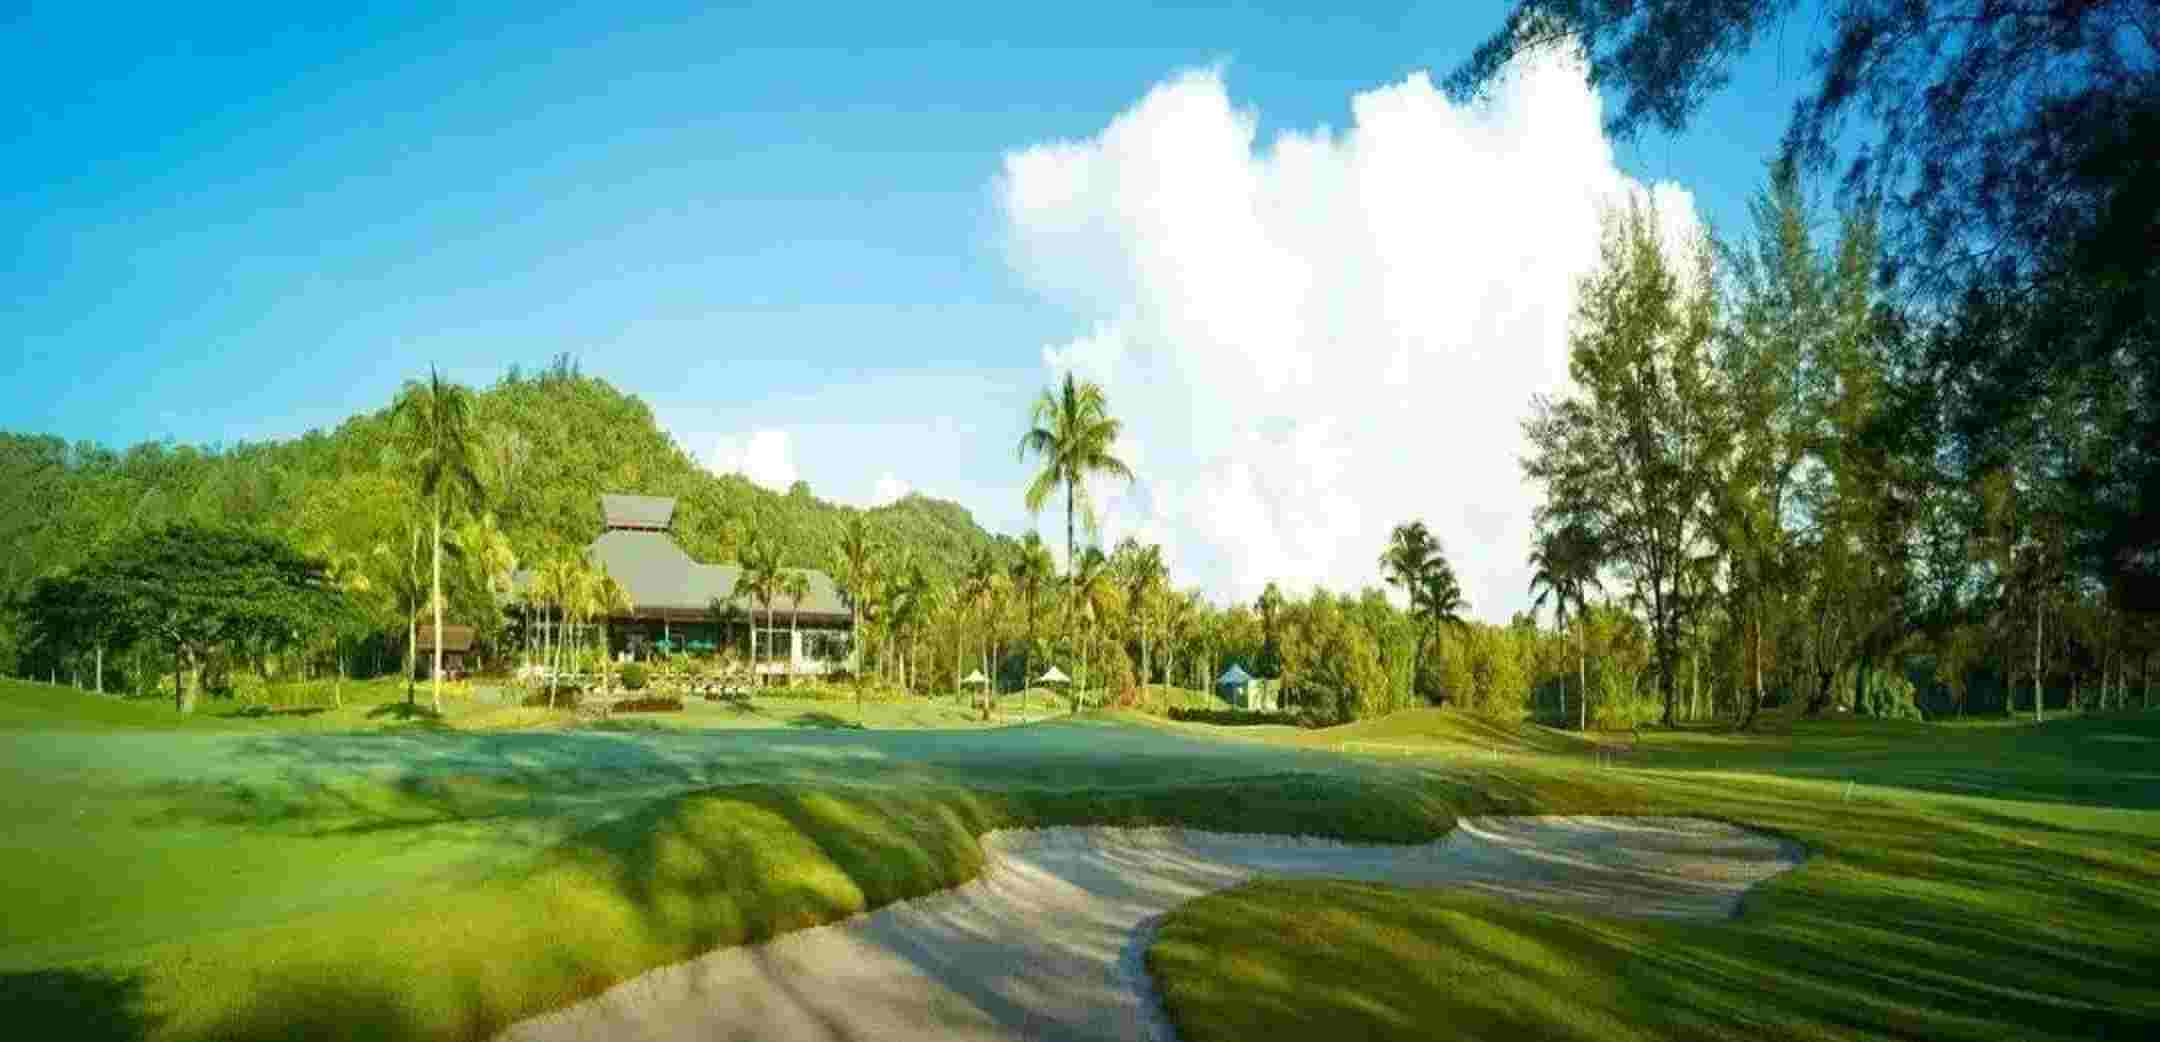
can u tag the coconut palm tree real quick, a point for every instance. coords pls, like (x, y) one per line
(1031, 571)
(407, 583)
(763, 571)
(1565, 560)
(608, 599)
(907, 601)
(1094, 589)
(1072, 430)
(488, 558)
(437, 440)
(978, 591)
(1269, 605)
(858, 553)
(1145, 576)
(1405, 564)
(1438, 599)
(346, 571)
(795, 586)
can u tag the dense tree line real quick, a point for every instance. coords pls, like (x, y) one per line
(1922, 451)
(539, 449)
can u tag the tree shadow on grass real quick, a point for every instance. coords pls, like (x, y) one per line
(261, 712)
(408, 712)
(824, 721)
(73, 1004)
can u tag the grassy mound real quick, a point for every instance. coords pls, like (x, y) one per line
(1920, 914)
(467, 954)
(1444, 731)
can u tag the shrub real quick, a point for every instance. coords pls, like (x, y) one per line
(565, 696)
(1233, 717)
(634, 677)
(649, 705)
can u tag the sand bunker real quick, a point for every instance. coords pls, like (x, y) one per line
(1047, 943)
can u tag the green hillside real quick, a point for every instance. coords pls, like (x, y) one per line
(553, 442)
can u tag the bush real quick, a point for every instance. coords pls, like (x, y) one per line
(1233, 717)
(634, 677)
(649, 705)
(565, 696)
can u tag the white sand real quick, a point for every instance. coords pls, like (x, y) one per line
(1047, 943)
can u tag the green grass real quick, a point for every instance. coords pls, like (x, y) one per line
(361, 876)
(2032, 912)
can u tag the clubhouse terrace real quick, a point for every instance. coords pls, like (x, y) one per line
(682, 606)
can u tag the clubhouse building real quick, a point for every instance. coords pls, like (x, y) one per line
(682, 606)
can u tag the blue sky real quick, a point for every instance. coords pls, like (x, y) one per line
(241, 222)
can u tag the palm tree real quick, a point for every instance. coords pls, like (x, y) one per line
(906, 605)
(1269, 605)
(1092, 585)
(1072, 430)
(1178, 616)
(438, 438)
(609, 599)
(488, 558)
(1439, 598)
(1566, 563)
(1405, 564)
(978, 591)
(794, 586)
(1031, 571)
(858, 563)
(347, 571)
(1145, 575)
(762, 573)
(410, 590)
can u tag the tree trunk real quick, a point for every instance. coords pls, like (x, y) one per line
(2038, 696)
(1582, 678)
(179, 686)
(412, 653)
(1087, 642)
(435, 681)
(1757, 707)
(101, 669)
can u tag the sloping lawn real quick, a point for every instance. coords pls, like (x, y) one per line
(1919, 915)
(262, 878)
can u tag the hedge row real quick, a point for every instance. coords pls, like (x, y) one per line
(1233, 717)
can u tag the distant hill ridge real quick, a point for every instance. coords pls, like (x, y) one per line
(553, 442)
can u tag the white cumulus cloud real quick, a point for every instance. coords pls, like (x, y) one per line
(765, 457)
(888, 489)
(1315, 338)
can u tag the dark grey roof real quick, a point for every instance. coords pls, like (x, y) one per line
(621, 511)
(659, 575)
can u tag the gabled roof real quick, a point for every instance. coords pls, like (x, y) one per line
(637, 512)
(658, 575)
(644, 559)
(1234, 675)
(455, 638)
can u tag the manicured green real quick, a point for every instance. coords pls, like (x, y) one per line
(273, 877)
(2025, 910)
(266, 877)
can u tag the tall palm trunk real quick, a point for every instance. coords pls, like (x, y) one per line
(412, 653)
(2038, 624)
(1087, 647)
(436, 597)
(1582, 680)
